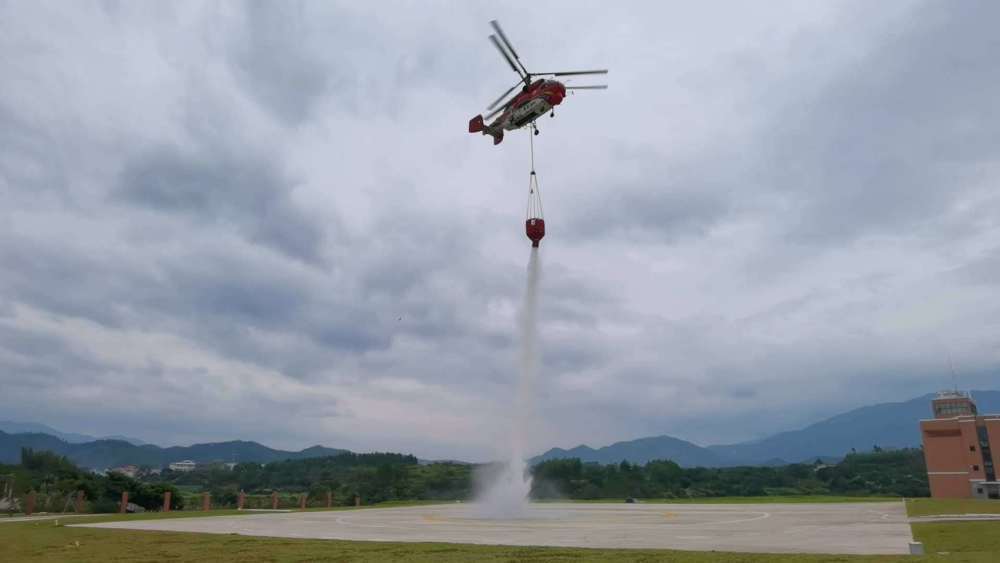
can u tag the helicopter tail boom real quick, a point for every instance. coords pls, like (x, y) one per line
(477, 125)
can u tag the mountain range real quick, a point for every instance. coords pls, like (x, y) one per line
(12, 427)
(102, 454)
(887, 425)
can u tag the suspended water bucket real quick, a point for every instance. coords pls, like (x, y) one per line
(535, 229)
(534, 224)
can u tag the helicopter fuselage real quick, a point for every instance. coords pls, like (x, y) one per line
(534, 101)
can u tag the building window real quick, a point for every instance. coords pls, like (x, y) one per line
(954, 409)
(972, 448)
(975, 468)
(979, 490)
(984, 448)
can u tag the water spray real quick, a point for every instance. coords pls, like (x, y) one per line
(508, 494)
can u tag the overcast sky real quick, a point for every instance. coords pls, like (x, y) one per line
(267, 221)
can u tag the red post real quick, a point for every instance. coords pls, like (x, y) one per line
(274, 500)
(166, 501)
(206, 501)
(241, 501)
(122, 508)
(329, 499)
(302, 501)
(29, 504)
(80, 496)
(357, 500)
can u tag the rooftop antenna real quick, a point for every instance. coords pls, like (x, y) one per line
(951, 366)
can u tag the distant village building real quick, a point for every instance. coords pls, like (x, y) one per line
(183, 466)
(958, 447)
(126, 470)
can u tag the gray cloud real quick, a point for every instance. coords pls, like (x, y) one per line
(210, 185)
(40, 360)
(897, 134)
(275, 209)
(985, 270)
(651, 196)
(276, 68)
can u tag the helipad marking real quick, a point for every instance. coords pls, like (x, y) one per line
(760, 516)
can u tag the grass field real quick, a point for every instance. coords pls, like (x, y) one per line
(980, 539)
(974, 539)
(934, 507)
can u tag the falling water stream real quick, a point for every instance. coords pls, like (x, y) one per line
(507, 495)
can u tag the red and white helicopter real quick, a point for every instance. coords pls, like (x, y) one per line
(536, 98)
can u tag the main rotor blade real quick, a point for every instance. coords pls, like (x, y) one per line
(499, 30)
(506, 57)
(571, 72)
(601, 87)
(494, 112)
(502, 96)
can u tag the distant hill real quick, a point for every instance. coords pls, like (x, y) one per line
(888, 425)
(892, 425)
(642, 450)
(14, 427)
(102, 454)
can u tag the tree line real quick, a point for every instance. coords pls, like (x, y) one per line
(884, 473)
(374, 477)
(380, 477)
(56, 480)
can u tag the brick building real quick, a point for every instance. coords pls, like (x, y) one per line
(959, 446)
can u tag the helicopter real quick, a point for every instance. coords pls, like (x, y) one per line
(536, 98)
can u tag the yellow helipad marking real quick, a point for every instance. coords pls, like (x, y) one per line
(670, 515)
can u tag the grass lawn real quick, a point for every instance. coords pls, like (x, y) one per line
(980, 540)
(933, 507)
(975, 539)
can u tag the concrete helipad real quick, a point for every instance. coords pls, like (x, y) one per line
(877, 528)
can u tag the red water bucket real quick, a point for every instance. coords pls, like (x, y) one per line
(535, 229)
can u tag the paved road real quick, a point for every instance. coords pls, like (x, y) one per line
(876, 528)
